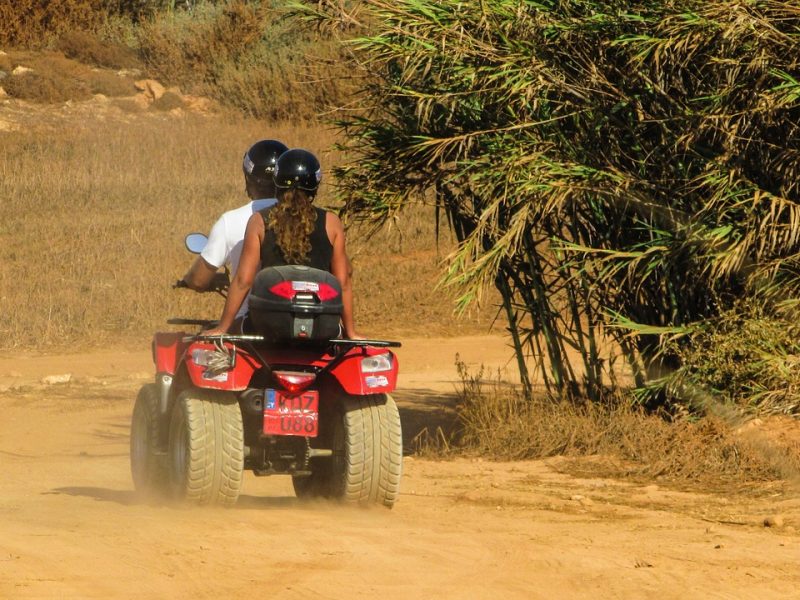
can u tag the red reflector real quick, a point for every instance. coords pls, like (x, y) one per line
(327, 292)
(283, 289)
(288, 290)
(294, 381)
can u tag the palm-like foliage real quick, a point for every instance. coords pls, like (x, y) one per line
(612, 167)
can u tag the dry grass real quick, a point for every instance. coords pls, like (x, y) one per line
(92, 224)
(5, 63)
(498, 422)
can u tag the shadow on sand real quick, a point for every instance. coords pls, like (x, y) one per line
(124, 497)
(425, 414)
(131, 498)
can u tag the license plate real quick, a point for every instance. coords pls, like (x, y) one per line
(291, 415)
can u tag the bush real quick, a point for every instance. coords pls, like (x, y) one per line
(55, 78)
(169, 101)
(110, 84)
(46, 88)
(188, 48)
(33, 23)
(246, 56)
(87, 48)
(744, 359)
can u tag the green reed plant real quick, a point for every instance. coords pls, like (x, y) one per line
(622, 170)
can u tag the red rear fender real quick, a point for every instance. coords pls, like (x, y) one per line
(359, 381)
(235, 380)
(167, 351)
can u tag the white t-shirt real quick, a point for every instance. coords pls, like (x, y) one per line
(225, 241)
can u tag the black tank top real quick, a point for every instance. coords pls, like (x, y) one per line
(321, 247)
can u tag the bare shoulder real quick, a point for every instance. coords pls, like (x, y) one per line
(333, 222)
(256, 220)
(255, 226)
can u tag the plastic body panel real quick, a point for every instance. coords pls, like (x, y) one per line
(171, 353)
(235, 380)
(167, 351)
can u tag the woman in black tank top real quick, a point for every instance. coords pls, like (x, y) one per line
(292, 232)
(321, 251)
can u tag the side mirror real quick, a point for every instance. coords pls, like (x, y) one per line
(195, 242)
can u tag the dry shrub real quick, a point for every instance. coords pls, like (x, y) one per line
(33, 23)
(55, 78)
(88, 48)
(245, 56)
(169, 101)
(498, 422)
(188, 48)
(109, 83)
(5, 63)
(47, 87)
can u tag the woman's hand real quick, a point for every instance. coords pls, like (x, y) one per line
(214, 331)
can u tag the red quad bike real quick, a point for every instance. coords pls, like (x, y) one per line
(291, 398)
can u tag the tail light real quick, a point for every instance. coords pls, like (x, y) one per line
(294, 381)
(376, 363)
(290, 289)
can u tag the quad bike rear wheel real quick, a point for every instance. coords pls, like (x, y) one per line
(148, 456)
(367, 459)
(206, 448)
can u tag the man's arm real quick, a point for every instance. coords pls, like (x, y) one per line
(245, 273)
(203, 269)
(199, 275)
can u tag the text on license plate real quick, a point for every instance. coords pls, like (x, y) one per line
(291, 415)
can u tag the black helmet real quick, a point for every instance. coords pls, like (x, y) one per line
(297, 168)
(258, 162)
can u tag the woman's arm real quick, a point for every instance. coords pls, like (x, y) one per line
(245, 273)
(341, 269)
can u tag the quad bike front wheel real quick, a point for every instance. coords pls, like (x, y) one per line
(147, 452)
(367, 459)
(206, 448)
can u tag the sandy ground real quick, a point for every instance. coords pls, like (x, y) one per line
(71, 526)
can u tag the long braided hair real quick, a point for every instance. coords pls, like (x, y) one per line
(292, 221)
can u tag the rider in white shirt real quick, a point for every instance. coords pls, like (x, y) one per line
(224, 244)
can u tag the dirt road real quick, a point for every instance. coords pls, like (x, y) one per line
(71, 526)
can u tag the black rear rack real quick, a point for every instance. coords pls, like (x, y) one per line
(250, 338)
(243, 337)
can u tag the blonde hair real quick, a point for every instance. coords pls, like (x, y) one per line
(292, 221)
